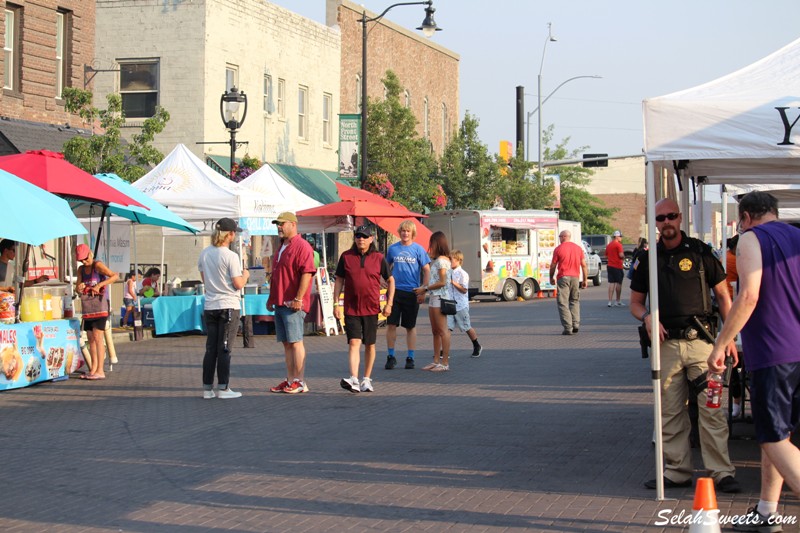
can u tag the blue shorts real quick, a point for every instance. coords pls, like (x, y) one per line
(128, 302)
(460, 319)
(775, 401)
(289, 324)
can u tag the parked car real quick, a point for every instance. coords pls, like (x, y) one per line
(595, 266)
(598, 244)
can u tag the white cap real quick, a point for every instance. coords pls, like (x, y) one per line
(617, 234)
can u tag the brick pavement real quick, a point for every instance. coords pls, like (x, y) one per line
(541, 433)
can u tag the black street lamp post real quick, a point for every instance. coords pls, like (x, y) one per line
(428, 28)
(229, 106)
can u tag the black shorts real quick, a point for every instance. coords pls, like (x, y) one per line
(404, 310)
(775, 401)
(615, 275)
(94, 323)
(364, 328)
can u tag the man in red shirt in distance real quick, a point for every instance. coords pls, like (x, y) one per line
(615, 255)
(570, 261)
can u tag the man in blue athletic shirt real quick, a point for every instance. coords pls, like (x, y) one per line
(407, 260)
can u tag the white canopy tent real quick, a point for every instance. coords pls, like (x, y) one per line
(738, 129)
(267, 182)
(193, 191)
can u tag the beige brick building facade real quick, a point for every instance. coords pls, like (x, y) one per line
(621, 185)
(30, 79)
(196, 49)
(428, 71)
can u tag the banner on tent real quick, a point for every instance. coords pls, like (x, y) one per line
(325, 290)
(258, 225)
(118, 256)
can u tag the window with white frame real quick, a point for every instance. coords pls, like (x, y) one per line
(302, 112)
(267, 93)
(231, 77)
(425, 119)
(11, 47)
(63, 52)
(327, 116)
(138, 87)
(282, 98)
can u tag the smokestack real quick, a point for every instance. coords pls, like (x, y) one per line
(520, 119)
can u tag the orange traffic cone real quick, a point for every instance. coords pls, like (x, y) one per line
(539, 294)
(555, 293)
(705, 518)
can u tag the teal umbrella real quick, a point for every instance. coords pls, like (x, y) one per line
(155, 214)
(32, 215)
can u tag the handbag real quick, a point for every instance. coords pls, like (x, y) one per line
(448, 307)
(93, 306)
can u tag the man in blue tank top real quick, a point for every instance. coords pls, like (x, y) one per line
(767, 312)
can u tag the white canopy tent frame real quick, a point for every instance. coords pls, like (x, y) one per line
(737, 129)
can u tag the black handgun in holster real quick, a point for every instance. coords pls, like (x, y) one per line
(644, 341)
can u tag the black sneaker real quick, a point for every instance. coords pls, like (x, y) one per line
(668, 484)
(477, 351)
(391, 362)
(409, 363)
(729, 485)
(755, 521)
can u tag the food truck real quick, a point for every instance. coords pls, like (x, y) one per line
(506, 253)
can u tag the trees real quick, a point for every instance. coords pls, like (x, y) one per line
(104, 152)
(467, 170)
(395, 149)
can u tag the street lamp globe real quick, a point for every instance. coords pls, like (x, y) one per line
(229, 106)
(428, 26)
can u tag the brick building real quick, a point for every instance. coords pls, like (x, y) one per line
(427, 71)
(46, 45)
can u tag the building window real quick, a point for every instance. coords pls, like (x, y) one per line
(63, 52)
(444, 124)
(267, 93)
(302, 112)
(407, 99)
(358, 93)
(327, 115)
(231, 77)
(11, 48)
(281, 98)
(138, 87)
(425, 119)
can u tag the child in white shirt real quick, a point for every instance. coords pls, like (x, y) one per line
(460, 285)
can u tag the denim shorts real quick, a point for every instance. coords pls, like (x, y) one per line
(289, 324)
(460, 319)
(128, 302)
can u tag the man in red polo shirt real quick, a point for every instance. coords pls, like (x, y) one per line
(290, 298)
(359, 272)
(614, 256)
(570, 261)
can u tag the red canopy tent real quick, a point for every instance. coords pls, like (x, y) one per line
(389, 222)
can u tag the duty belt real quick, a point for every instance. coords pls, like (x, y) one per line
(689, 333)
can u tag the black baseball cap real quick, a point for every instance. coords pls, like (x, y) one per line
(365, 229)
(228, 224)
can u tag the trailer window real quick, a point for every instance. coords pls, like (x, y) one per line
(510, 241)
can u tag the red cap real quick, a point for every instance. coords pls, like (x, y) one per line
(82, 252)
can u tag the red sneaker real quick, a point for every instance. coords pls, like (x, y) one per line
(295, 387)
(280, 386)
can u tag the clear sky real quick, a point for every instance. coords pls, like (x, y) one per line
(641, 48)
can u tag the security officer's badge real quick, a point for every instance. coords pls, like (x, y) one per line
(685, 265)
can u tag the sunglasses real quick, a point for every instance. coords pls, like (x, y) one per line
(670, 216)
(362, 236)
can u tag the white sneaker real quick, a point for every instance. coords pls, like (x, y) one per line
(350, 384)
(227, 394)
(619, 304)
(209, 395)
(610, 304)
(366, 385)
(736, 410)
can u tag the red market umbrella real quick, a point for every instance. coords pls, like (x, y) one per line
(390, 224)
(51, 172)
(356, 208)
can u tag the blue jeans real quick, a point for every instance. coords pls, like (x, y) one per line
(221, 325)
(289, 324)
